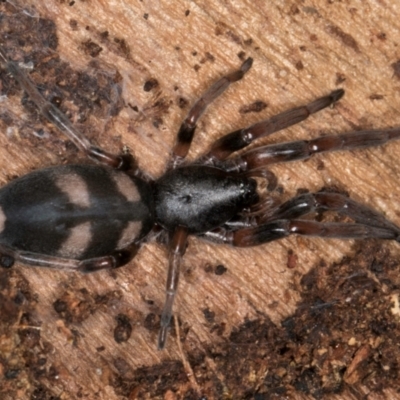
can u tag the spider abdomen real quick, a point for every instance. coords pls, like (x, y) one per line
(201, 198)
(75, 211)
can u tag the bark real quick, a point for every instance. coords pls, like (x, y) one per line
(301, 317)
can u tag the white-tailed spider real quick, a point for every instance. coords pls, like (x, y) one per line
(89, 217)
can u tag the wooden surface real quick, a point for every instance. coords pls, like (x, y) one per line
(301, 50)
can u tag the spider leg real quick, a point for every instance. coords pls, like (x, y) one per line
(278, 229)
(282, 221)
(186, 131)
(60, 121)
(119, 258)
(177, 249)
(302, 149)
(325, 201)
(241, 138)
(281, 228)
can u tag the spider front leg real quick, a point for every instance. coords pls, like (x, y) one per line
(282, 222)
(241, 138)
(60, 121)
(282, 228)
(325, 201)
(177, 249)
(303, 149)
(186, 131)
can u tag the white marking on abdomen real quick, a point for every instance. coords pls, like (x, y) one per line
(129, 234)
(126, 186)
(75, 188)
(77, 242)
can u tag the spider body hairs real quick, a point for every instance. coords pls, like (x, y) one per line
(91, 217)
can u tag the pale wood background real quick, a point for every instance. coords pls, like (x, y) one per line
(300, 50)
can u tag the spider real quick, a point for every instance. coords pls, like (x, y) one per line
(91, 217)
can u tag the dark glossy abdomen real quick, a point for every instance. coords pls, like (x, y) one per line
(201, 198)
(76, 211)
